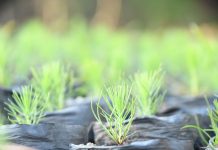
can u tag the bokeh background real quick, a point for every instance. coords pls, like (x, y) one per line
(115, 13)
(102, 39)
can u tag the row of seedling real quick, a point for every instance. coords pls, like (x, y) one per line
(101, 54)
(138, 96)
(51, 84)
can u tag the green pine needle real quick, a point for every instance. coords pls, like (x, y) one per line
(26, 107)
(147, 88)
(121, 105)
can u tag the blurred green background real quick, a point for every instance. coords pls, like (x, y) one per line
(102, 40)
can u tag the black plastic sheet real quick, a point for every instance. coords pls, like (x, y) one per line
(45, 136)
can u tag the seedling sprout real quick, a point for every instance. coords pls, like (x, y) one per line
(121, 105)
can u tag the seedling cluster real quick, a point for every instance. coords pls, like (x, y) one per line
(48, 91)
(147, 88)
(52, 82)
(123, 102)
(121, 107)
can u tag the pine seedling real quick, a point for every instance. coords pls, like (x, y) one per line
(52, 82)
(204, 133)
(147, 88)
(121, 107)
(26, 107)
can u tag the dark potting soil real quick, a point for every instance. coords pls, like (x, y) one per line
(150, 133)
(180, 112)
(57, 130)
(78, 112)
(45, 136)
(189, 104)
(5, 95)
(159, 133)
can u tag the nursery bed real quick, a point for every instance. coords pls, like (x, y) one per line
(75, 125)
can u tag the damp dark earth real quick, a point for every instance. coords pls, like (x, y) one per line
(108, 75)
